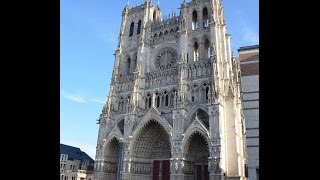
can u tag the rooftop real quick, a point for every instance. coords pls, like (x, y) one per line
(248, 47)
(75, 153)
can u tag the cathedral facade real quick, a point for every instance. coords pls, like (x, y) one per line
(174, 109)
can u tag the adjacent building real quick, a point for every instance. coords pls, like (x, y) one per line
(174, 109)
(75, 164)
(249, 62)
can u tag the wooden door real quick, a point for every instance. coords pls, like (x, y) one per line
(166, 170)
(156, 169)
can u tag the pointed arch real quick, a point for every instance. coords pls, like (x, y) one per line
(139, 27)
(193, 130)
(205, 17)
(120, 125)
(195, 23)
(195, 108)
(111, 153)
(152, 115)
(115, 133)
(191, 115)
(160, 35)
(151, 142)
(108, 141)
(125, 64)
(204, 37)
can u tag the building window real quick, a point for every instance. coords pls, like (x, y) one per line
(207, 92)
(131, 29)
(195, 51)
(148, 101)
(139, 27)
(158, 101)
(246, 170)
(167, 99)
(207, 49)
(205, 17)
(154, 15)
(194, 20)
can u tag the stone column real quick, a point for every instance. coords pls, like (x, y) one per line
(176, 162)
(214, 161)
(126, 167)
(154, 100)
(120, 161)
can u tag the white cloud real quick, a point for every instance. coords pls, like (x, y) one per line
(81, 98)
(98, 100)
(73, 97)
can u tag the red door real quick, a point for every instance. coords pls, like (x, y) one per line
(156, 168)
(199, 172)
(166, 170)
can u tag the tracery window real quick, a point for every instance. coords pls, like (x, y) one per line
(166, 58)
(131, 29)
(207, 49)
(139, 27)
(195, 52)
(205, 17)
(195, 20)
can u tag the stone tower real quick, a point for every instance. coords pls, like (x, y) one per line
(174, 109)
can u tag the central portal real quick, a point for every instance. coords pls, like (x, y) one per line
(151, 153)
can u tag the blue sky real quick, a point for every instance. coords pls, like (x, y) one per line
(88, 38)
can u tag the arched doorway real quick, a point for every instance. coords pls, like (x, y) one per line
(196, 158)
(110, 163)
(151, 152)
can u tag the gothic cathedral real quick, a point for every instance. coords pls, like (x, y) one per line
(174, 110)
